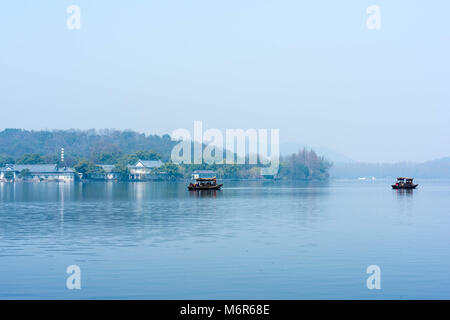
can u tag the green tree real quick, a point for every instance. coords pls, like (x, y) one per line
(86, 144)
(128, 159)
(89, 170)
(122, 171)
(31, 158)
(8, 175)
(4, 160)
(108, 158)
(230, 171)
(171, 170)
(304, 165)
(147, 155)
(25, 173)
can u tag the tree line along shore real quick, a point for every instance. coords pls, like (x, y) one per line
(125, 155)
(149, 165)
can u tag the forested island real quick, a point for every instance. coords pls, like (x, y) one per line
(89, 152)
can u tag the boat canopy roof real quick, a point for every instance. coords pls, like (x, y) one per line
(206, 179)
(204, 175)
(404, 178)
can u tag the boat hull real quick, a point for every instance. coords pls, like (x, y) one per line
(200, 188)
(397, 187)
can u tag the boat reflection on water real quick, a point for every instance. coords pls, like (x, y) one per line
(203, 193)
(404, 186)
(404, 192)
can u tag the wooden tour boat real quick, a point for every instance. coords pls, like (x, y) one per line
(204, 184)
(404, 183)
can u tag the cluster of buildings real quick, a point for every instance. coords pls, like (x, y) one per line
(141, 171)
(36, 172)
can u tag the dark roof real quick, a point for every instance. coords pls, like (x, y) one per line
(107, 167)
(65, 169)
(204, 174)
(36, 167)
(148, 164)
(152, 163)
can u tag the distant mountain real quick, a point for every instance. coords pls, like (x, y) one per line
(81, 143)
(329, 154)
(439, 168)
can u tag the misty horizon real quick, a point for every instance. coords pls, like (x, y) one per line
(225, 159)
(286, 148)
(315, 72)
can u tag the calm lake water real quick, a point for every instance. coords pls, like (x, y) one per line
(251, 240)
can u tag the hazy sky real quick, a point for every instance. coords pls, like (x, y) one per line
(310, 68)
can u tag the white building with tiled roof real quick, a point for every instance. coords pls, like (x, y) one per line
(37, 172)
(143, 169)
